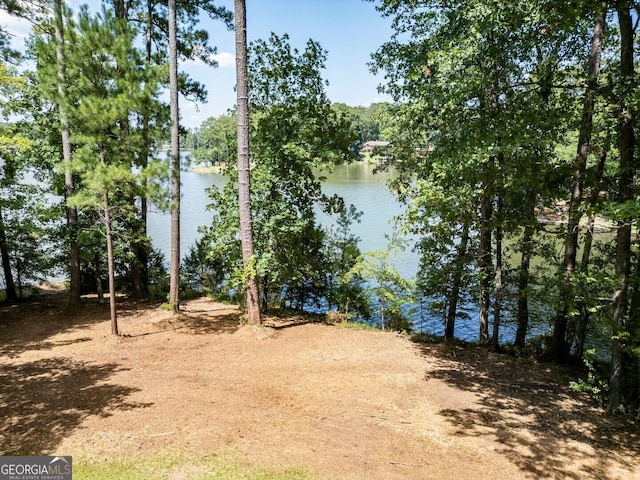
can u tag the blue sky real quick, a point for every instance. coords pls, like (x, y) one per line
(350, 30)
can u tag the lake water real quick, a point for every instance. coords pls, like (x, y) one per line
(356, 183)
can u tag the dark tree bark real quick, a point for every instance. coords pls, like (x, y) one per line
(98, 274)
(559, 344)
(110, 261)
(138, 265)
(485, 263)
(524, 274)
(625, 194)
(497, 303)
(140, 250)
(72, 212)
(110, 257)
(461, 255)
(581, 329)
(174, 281)
(10, 286)
(244, 174)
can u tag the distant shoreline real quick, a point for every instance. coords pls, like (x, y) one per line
(212, 169)
(220, 169)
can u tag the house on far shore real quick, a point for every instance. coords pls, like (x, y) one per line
(371, 151)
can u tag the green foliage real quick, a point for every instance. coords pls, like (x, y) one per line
(366, 122)
(479, 120)
(216, 141)
(344, 291)
(392, 294)
(27, 220)
(201, 273)
(358, 326)
(295, 133)
(595, 383)
(29, 224)
(158, 276)
(424, 337)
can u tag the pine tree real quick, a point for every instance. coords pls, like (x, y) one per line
(244, 175)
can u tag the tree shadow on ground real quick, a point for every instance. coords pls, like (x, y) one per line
(29, 325)
(545, 429)
(281, 324)
(204, 316)
(203, 324)
(43, 401)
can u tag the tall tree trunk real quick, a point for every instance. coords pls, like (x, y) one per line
(141, 251)
(559, 344)
(634, 309)
(461, 255)
(244, 173)
(121, 9)
(174, 281)
(633, 328)
(497, 303)
(72, 212)
(523, 287)
(485, 263)
(524, 274)
(10, 287)
(110, 257)
(581, 330)
(623, 236)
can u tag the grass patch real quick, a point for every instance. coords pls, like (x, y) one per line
(358, 326)
(164, 467)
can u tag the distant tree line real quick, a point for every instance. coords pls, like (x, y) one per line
(213, 142)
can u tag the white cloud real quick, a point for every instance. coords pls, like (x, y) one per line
(225, 59)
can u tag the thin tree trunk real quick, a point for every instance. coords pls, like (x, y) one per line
(497, 304)
(174, 282)
(623, 236)
(244, 174)
(142, 252)
(634, 309)
(110, 258)
(524, 274)
(559, 344)
(72, 212)
(633, 327)
(138, 288)
(485, 264)
(110, 262)
(98, 275)
(457, 282)
(10, 287)
(581, 330)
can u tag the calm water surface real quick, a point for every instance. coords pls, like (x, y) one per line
(356, 183)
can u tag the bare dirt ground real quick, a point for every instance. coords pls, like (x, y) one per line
(339, 402)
